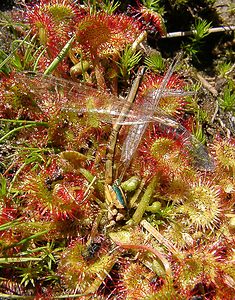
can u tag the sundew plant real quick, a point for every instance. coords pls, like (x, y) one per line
(106, 191)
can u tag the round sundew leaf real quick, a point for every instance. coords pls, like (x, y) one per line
(73, 157)
(121, 237)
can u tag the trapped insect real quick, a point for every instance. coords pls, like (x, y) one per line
(99, 106)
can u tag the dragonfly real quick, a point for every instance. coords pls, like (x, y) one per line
(82, 99)
(135, 134)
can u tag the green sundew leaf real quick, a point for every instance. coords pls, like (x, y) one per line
(121, 237)
(61, 13)
(73, 157)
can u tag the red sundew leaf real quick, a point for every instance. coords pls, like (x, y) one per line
(172, 104)
(151, 20)
(104, 34)
(53, 22)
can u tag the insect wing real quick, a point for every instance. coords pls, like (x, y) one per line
(65, 94)
(68, 96)
(51, 93)
(150, 104)
(169, 125)
(80, 98)
(196, 150)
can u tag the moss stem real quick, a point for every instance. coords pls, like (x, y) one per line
(144, 202)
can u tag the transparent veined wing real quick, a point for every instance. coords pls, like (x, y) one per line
(151, 101)
(82, 98)
(150, 104)
(197, 151)
(166, 124)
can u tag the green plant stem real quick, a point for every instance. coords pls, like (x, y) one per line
(38, 58)
(8, 260)
(59, 57)
(160, 238)
(13, 52)
(67, 296)
(22, 127)
(14, 178)
(25, 240)
(116, 127)
(7, 296)
(144, 202)
(99, 187)
(25, 122)
(8, 225)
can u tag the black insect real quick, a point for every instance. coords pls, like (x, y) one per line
(57, 175)
(91, 250)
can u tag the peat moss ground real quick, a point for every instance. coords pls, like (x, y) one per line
(79, 221)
